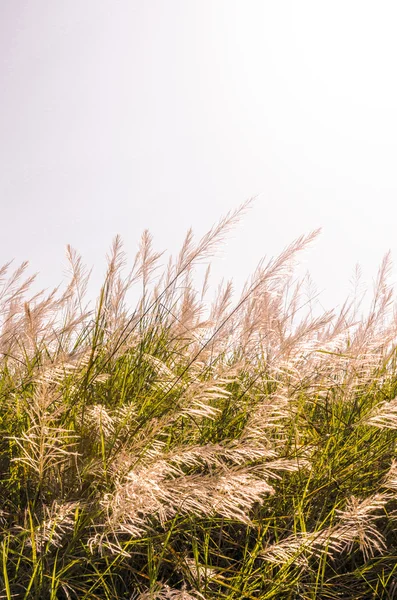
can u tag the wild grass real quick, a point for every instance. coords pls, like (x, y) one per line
(198, 446)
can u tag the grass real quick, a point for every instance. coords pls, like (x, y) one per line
(195, 448)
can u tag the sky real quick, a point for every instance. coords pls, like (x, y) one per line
(121, 115)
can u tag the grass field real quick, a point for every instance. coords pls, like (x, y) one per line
(198, 445)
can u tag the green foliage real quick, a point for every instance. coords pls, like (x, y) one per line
(195, 449)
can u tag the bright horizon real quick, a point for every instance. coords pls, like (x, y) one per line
(121, 116)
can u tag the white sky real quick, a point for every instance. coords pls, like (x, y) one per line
(118, 115)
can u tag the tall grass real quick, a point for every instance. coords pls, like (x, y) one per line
(198, 446)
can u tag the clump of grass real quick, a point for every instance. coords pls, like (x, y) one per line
(195, 448)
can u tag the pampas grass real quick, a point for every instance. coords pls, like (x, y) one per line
(197, 445)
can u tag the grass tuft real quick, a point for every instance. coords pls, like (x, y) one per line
(196, 448)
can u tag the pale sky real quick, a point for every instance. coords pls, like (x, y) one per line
(117, 115)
